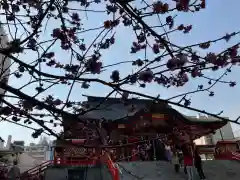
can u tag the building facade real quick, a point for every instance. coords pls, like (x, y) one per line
(1, 143)
(129, 122)
(26, 156)
(38, 152)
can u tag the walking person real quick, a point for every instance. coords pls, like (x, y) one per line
(180, 157)
(198, 165)
(188, 162)
(175, 161)
(14, 172)
(168, 154)
(134, 155)
(148, 151)
(3, 172)
(184, 168)
(142, 152)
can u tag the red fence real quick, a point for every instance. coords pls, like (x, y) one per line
(236, 156)
(36, 171)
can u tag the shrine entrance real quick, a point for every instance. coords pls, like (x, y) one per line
(76, 174)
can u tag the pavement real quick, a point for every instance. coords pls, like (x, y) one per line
(160, 170)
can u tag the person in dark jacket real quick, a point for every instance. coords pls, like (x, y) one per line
(14, 172)
(198, 165)
(184, 153)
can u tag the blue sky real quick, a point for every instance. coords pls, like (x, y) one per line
(215, 21)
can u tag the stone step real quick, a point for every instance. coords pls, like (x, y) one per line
(214, 170)
(222, 170)
(149, 171)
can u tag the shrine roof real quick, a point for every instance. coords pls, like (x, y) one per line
(205, 119)
(114, 109)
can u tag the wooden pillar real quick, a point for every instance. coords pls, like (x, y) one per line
(192, 149)
(62, 156)
(154, 150)
(54, 157)
(127, 148)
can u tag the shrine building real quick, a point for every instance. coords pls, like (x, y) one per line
(123, 125)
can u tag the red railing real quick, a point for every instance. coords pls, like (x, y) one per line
(228, 156)
(37, 170)
(75, 162)
(236, 156)
(113, 169)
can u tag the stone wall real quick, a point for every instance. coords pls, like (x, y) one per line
(76, 173)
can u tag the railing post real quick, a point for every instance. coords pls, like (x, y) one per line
(154, 150)
(39, 170)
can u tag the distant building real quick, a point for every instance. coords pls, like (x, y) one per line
(1, 143)
(40, 151)
(10, 152)
(237, 133)
(37, 151)
(17, 146)
(26, 156)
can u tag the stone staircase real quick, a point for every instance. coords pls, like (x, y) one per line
(222, 170)
(149, 171)
(214, 170)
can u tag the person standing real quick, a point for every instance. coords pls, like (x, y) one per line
(180, 157)
(148, 151)
(168, 153)
(198, 165)
(3, 172)
(175, 161)
(141, 151)
(14, 172)
(134, 155)
(188, 162)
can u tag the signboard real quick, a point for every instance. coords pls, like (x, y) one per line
(121, 126)
(158, 117)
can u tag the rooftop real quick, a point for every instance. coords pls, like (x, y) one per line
(114, 109)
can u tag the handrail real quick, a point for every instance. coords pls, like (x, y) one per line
(236, 156)
(110, 165)
(77, 162)
(38, 167)
(113, 169)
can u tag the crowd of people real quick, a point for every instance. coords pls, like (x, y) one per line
(150, 152)
(188, 158)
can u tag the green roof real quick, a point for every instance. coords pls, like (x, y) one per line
(206, 119)
(114, 109)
